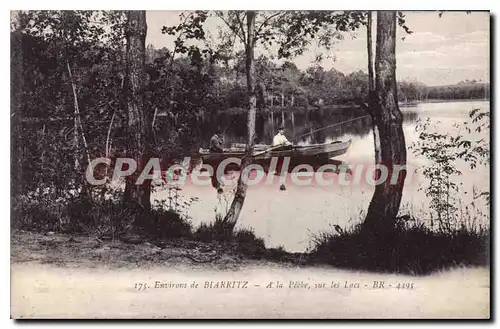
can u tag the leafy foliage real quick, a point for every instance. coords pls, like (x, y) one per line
(443, 151)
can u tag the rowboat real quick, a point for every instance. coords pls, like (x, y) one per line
(256, 147)
(309, 153)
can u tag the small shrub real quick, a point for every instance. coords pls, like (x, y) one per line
(248, 244)
(443, 151)
(243, 240)
(169, 224)
(32, 216)
(217, 231)
(81, 214)
(412, 249)
(205, 233)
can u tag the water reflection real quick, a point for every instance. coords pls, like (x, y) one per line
(303, 127)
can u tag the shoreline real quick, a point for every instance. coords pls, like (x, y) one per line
(342, 107)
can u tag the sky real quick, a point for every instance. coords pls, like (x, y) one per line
(440, 51)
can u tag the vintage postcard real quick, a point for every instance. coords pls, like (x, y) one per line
(250, 164)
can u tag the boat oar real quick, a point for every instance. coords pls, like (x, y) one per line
(269, 150)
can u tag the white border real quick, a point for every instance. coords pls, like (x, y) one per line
(259, 4)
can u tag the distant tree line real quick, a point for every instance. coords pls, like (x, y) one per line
(469, 89)
(285, 85)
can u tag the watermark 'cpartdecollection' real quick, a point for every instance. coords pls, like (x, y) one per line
(254, 174)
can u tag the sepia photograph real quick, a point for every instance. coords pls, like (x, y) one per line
(250, 164)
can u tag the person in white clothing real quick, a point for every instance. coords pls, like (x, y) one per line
(280, 138)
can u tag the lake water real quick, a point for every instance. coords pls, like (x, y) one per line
(292, 217)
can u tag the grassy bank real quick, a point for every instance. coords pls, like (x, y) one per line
(412, 249)
(112, 235)
(82, 229)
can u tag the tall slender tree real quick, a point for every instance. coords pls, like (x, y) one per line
(233, 214)
(372, 97)
(139, 128)
(388, 125)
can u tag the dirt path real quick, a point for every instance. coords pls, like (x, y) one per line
(91, 251)
(49, 280)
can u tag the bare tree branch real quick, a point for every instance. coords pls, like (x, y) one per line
(257, 33)
(231, 27)
(240, 22)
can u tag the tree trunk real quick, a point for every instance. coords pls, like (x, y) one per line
(17, 113)
(77, 121)
(139, 129)
(388, 118)
(232, 215)
(372, 98)
(76, 155)
(370, 51)
(261, 95)
(272, 122)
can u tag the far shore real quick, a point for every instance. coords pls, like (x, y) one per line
(339, 107)
(452, 100)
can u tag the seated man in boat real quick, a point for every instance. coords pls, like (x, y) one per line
(280, 138)
(216, 143)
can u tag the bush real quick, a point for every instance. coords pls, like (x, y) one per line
(244, 240)
(33, 216)
(248, 244)
(205, 233)
(97, 218)
(412, 249)
(168, 224)
(217, 231)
